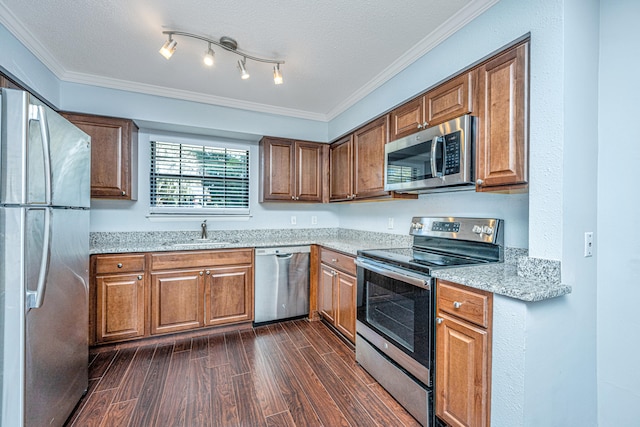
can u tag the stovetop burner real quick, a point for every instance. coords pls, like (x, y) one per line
(417, 260)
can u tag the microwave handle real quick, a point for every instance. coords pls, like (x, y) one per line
(434, 165)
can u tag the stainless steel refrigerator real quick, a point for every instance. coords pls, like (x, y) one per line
(45, 177)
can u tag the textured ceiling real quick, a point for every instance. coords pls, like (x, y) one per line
(335, 51)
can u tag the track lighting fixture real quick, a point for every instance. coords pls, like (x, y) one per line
(277, 75)
(168, 48)
(244, 75)
(209, 56)
(228, 44)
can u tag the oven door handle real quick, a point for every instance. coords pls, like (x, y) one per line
(394, 274)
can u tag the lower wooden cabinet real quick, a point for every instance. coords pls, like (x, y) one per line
(228, 295)
(337, 292)
(176, 301)
(463, 355)
(138, 295)
(120, 308)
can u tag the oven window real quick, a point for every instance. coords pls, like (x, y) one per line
(392, 312)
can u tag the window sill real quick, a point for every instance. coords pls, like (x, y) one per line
(157, 217)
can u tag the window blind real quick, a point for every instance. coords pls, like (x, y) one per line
(192, 178)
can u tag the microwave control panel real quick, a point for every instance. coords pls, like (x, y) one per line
(452, 153)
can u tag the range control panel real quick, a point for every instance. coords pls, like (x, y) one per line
(487, 230)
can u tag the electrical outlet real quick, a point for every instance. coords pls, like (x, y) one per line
(390, 224)
(588, 244)
(294, 220)
(314, 220)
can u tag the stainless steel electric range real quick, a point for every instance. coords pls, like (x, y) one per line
(395, 332)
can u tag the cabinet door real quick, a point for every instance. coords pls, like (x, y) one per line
(368, 146)
(326, 295)
(449, 100)
(462, 377)
(177, 300)
(278, 163)
(346, 307)
(407, 119)
(114, 145)
(309, 173)
(502, 142)
(228, 295)
(120, 307)
(341, 169)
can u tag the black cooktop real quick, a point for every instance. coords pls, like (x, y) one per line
(417, 259)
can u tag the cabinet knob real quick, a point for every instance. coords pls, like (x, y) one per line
(201, 273)
(124, 193)
(419, 125)
(480, 182)
(353, 196)
(457, 304)
(425, 124)
(139, 277)
(334, 260)
(119, 265)
(208, 272)
(439, 320)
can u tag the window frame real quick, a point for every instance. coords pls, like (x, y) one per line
(199, 211)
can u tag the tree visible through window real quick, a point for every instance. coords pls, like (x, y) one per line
(192, 178)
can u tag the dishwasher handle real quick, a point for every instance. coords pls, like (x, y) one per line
(284, 256)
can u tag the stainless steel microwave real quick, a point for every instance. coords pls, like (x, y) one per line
(438, 158)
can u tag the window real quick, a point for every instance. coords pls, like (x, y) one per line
(195, 179)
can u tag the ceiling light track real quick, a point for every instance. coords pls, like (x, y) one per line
(228, 44)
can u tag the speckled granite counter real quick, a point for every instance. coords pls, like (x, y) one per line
(520, 277)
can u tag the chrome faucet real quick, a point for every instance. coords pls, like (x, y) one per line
(204, 230)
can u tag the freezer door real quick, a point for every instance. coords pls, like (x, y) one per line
(56, 347)
(45, 159)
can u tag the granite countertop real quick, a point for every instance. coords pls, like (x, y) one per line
(519, 277)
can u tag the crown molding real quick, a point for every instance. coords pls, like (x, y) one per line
(440, 34)
(186, 95)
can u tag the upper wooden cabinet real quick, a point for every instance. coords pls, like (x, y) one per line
(445, 102)
(357, 164)
(502, 125)
(292, 171)
(341, 169)
(114, 155)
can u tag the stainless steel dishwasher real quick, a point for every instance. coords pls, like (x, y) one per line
(281, 283)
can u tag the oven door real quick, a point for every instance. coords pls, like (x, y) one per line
(394, 314)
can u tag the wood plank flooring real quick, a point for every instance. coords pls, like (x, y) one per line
(295, 373)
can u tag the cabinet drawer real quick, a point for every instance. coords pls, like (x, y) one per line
(195, 259)
(464, 303)
(338, 261)
(119, 263)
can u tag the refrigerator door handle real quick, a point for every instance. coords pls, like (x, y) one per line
(38, 113)
(35, 298)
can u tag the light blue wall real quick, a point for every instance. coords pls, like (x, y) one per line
(618, 242)
(24, 66)
(200, 118)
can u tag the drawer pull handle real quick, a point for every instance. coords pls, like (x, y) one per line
(119, 265)
(457, 304)
(334, 260)
(139, 277)
(439, 320)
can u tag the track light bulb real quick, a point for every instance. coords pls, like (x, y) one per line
(168, 48)
(277, 75)
(209, 57)
(244, 75)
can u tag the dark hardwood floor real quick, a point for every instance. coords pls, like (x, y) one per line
(295, 373)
